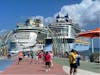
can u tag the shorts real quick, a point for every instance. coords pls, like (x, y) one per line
(47, 63)
(73, 65)
(20, 59)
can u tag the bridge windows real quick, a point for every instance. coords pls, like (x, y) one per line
(22, 35)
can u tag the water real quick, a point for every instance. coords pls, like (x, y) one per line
(4, 63)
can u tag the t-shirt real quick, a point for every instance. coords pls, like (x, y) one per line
(72, 58)
(20, 55)
(40, 55)
(47, 58)
(32, 54)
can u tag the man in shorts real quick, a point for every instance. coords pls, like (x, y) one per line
(20, 57)
(47, 61)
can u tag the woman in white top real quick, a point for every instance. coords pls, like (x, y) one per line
(51, 54)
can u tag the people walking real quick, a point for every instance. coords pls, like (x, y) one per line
(36, 58)
(40, 57)
(47, 61)
(72, 61)
(9, 55)
(51, 62)
(20, 57)
(77, 58)
(32, 56)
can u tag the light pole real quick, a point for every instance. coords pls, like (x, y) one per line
(92, 45)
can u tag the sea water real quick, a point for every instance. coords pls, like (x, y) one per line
(4, 63)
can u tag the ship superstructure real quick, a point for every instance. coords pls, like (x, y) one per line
(63, 35)
(58, 36)
(28, 36)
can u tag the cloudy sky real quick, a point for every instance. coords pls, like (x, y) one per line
(84, 12)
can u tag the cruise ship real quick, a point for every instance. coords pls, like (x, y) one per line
(28, 36)
(58, 36)
(63, 35)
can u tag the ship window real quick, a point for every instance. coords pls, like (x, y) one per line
(22, 35)
(48, 41)
(12, 45)
(69, 40)
(73, 32)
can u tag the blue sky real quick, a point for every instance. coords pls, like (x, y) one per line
(13, 11)
(84, 12)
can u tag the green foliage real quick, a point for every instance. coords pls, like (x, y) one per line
(94, 57)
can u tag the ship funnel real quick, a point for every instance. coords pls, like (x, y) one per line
(29, 22)
(67, 18)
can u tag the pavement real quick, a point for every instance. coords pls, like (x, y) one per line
(80, 71)
(25, 68)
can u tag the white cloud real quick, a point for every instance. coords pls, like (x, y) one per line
(49, 20)
(85, 13)
(46, 21)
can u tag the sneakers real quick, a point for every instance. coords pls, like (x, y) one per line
(49, 69)
(46, 70)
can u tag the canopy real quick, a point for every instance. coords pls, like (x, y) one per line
(95, 33)
(90, 33)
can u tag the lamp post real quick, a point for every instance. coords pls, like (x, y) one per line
(92, 45)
